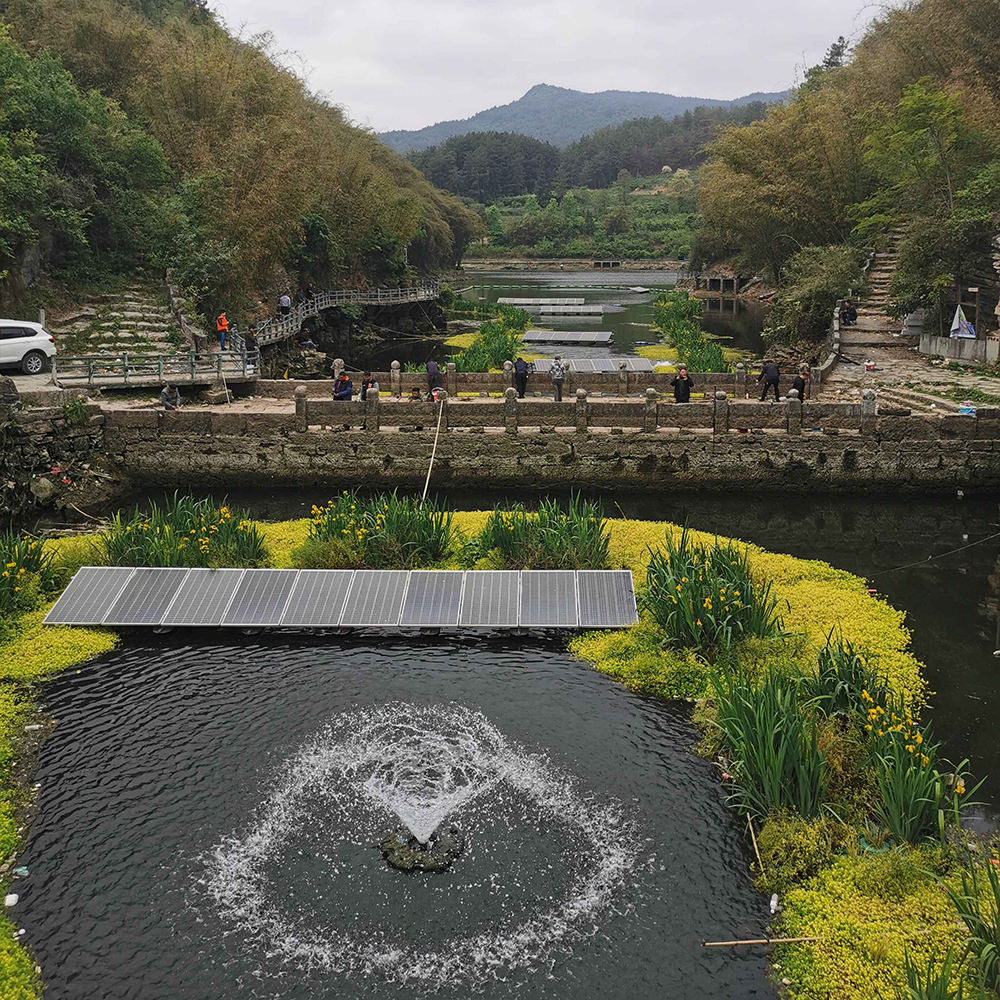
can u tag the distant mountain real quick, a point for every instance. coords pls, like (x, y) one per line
(560, 116)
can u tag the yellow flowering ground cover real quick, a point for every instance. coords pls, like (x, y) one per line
(849, 903)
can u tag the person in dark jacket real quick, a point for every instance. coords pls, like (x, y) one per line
(770, 376)
(170, 397)
(367, 384)
(682, 386)
(800, 383)
(343, 388)
(521, 377)
(848, 314)
(433, 377)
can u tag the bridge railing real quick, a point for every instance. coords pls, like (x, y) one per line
(145, 369)
(277, 328)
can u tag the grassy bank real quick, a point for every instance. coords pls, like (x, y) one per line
(870, 898)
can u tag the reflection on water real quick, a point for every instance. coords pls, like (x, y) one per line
(201, 834)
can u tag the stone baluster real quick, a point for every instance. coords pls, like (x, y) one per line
(651, 411)
(451, 379)
(622, 378)
(338, 367)
(741, 381)
(720, 414)
(508, 374)
(395, 382)
(301, 408)
(869, 409)
(510, 410)
(794, 406)
(582, 411)
(442, 395)
(372, 411)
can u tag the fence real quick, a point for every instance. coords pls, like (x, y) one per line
(282, 327)
(149, 369)
(719, 415)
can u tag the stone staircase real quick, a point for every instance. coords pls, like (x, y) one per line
(874, 327)
(136, 320)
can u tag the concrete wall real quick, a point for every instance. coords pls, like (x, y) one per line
(961, 348)
(884, 454)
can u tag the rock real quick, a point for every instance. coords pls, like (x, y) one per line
(42, 489)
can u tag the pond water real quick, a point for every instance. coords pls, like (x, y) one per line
(739, 323)
(211, 817)
(952, 601)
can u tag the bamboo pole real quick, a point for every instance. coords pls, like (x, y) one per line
(753, 837)
(728, 944)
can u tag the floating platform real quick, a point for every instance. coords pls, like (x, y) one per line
(541, 302)
(568, 337)
(591, 365)
(346, 599)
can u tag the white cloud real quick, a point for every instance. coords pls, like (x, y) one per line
(395, 64)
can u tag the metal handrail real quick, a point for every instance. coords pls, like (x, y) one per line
(189, 367)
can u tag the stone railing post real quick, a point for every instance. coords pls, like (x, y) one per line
(510, 410)
(720, 415)
(301, 408)
(442, 400)
(508, 375)
(741, 381)
(869, 409)
(649, 414)
(581, 411)
(451, 379)
(622, 378)
(338, 367)
(395, 382)
(794, 405)
(372, 411)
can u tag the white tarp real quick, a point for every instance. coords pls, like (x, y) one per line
(961, 327)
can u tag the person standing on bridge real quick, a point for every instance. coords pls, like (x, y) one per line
(309, 292)
(521, 377)
(770, 376)
(222, 328)
(285, 305)
(558, 374)
(343, 388)
(682, 383)
(433, 378)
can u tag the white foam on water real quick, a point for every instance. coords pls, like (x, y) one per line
(423, 765)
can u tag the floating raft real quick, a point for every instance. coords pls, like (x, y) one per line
(320, 598)
(541, 302)
(567, 337)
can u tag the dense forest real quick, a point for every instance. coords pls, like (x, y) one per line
(561, 116)
(897, 142)
(141, 133)
(488, 166)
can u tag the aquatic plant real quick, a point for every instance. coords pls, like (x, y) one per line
(773, 741)
(551, 538)
(498, 340)
(978, 908)
(706, 596)
(843, 675)
(26, 571)
(932, 980)
(385, 531)
(794, 849)
(678, 318)
(182, 532)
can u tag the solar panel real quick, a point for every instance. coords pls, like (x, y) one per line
(261, 597)
(607, 599)
(491, 599)
(90, 593)
(203, 597)
(548, 598)
(376, 597)
(567, 337)
(540, 302)
(433, 598)
(318, 598)
(146, 597)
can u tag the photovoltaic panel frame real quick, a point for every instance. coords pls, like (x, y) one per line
(261, 598)
(548, 599)
(203, 597)
(491, 599)
(146, 597)
(318, 598)
(376, 597)
(607, 599)
(433, 599)
(89, 595)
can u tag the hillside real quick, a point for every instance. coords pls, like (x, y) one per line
(561, 116)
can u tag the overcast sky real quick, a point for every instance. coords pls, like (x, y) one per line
(402, 64)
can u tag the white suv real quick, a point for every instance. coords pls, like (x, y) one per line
(28, 346)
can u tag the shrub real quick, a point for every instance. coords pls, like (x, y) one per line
(498, 340)
(793, 849)
(184, 532)
(705, 596)
(552, 538)
(385, 531)
(776, 760)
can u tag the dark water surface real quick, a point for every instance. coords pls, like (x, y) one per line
(166, 752)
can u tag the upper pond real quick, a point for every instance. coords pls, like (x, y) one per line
(211, 818)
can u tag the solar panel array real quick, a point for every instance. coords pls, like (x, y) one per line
(257, 598)
(570, 310)
(590, 365)
(568, 337)
(540, 302)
